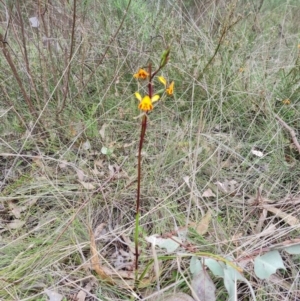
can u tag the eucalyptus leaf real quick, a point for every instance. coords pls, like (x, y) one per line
(231, 276)
(203, 287)
(167, 243)
(267, 264)
(195, 265)
(294, 250)
(216, 267)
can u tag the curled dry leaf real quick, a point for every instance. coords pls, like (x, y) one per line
(53, 296)
(86, 145)
(102, 131)
(16, 224)
(208, 193)
(227, 186)
(288, 218)
(63, 164)
(100, 230)
(16, 209)
(86, 185)
(95, 262)
(202, 227)
(82, 294)
(80, 174)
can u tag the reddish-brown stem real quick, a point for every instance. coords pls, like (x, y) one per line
(142, 136)
(138, 198)
(150, 82)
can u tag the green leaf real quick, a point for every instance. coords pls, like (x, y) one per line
(216, 267)
(267, 264)
(231, 276)
(164, 57)
(167, 243)
(294, 250)
(195, 265)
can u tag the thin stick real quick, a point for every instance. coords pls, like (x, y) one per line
(290, 130)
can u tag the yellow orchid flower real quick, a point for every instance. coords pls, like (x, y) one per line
(170, 88)
(162, 80)
(143, 74)
(146, 103)
(286, 101)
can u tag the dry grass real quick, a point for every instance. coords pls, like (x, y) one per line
(233, 65)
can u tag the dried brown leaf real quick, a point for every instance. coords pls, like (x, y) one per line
(82, 294)
(99, 231)
(95, 262)
(87, 185)
(208, 193)
(16, 224)
(202, 227)
(53, 296)
(102, 130)
(80, 174)
(288, 218)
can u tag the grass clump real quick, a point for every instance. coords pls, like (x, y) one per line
(68, 91)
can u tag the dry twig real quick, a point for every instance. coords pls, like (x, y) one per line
(291, 131)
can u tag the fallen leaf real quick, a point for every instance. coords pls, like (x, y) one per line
(102, 130)
(86, 145)
(186, 179)
(261, 221)
(16, 224)
(100, 231)
(288, 218)
(204, 223)
(96, 172)
(82, 294)
(208, 193)
(86, 185)
(34, 22)
(267, 264)
(99, 163)
(63, 164)
(257, 153)
(129, 144)
(53, 296)
(227, 186)
(203, 287)
(16, 209)
(95, 262)
(80, 174)
(170, 244)
(295, 249)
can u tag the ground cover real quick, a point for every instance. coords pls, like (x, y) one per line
(221, 163)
